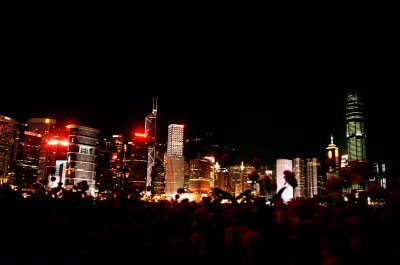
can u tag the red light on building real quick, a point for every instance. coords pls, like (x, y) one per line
(142, 135)
(114, 156)
(64, 143)
(53, 142)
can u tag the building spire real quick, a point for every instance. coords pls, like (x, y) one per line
(331, 139)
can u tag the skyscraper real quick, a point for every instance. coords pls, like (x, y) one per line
(6, 142)
(174, 160)
(175, 140)
(81, 156)
(332, 160)
(281, 166)
(355, 131)
(44, 127)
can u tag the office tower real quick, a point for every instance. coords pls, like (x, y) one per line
(81, 156)
(174, 174)
(175, 140)
(45, 127)
(332, 160)
(281, 166)
(314, 177)
(355, 131)
(6, 143)
(199, 175)
(174, 161)
(26, 155)
(300, 172)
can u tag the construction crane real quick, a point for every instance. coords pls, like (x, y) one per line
(150, 131)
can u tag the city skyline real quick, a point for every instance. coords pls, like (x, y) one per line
(282, 102)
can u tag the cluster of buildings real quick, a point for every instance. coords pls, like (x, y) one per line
(39, 150)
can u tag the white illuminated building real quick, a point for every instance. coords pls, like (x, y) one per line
(175, 140)
(281, 166)
(174, 160)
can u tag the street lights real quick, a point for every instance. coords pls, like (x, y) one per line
(241, 176)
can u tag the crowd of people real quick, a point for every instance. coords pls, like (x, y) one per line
(71, 227)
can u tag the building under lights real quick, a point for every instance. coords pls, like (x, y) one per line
(81, 156)
(45, 127)
(26, 153)
(355, 131)
(6, 143)
(174, 161)
(199, 175)
(281, 166)
(333, 160)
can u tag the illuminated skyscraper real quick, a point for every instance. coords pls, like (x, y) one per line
(174, 161)
(199, 175)
(355, 131)
(81, 156)
(44, 127)
(175, 140)
(300, 172)
(332, 160)
(281, 166)
(6, 142)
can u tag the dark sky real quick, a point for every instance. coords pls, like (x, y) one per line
(277, 92)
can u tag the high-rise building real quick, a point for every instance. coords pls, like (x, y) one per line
(45, 127)
(199, 175)
(332, 160)
(6, 143)
(355, 130)
(174, 160)
(174, 174)
(300, 172)
(281, 166)
(175, 140)
(81, 156)
(26, 161)
(314, 177)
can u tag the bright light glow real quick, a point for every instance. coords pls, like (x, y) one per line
(143, 135)
(57, 142)
(47, 120)
(114, 157)
(7, 118)
(211, 158)
(53, 142)
(242, 166)
(69, 126)
(117, 136)
(217, 166)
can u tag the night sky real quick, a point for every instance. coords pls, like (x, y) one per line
(278, 93)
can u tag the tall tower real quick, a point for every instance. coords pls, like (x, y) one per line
(6, 142)
(281, 166)
(332, 161)
(81, 156)
(355, 131)
(175, 140)
(175, 162)
(45, 127)
(150, 131)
